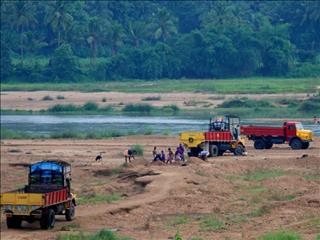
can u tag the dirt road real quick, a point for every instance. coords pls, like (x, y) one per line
(225, 198)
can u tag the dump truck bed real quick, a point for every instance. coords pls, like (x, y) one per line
(224, 136)
(262, 131)
(21, 203)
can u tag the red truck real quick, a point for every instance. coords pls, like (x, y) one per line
(290, 132)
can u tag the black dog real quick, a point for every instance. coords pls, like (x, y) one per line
(99, 157)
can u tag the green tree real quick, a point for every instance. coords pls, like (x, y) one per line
(6, 66)
(163, 25)
(59, 19)
(115, 37)
(23, 17)
(136, 33)
(63, 64)
(96, 33)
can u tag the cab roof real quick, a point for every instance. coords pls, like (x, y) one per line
(58, 162)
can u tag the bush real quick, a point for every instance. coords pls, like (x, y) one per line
(63, 108)
(60, 97)
(245, 103)
(171, 108)
(306, 70)
(289, 102)
(154, 98)
(144, 108)
(90, 106)
(63, 64)
(281, 235)
(68, 135)
(310, 105)
(47, 98)
(104, 99)
(139, 149)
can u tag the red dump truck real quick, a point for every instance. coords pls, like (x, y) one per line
(290, 132)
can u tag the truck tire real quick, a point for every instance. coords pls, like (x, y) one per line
(14, 222)
(213, 150)
(259, 144)
(48, 220)
(305, 145)
(239, 150)
(70, 213)
(268, 145)
(296, 144)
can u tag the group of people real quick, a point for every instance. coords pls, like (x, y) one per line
(178, 155)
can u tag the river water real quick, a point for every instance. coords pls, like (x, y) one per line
(49, 124)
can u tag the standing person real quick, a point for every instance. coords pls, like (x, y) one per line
(177, 155)
(155, 154)
(163, 156)
(170, 155)
(181, 151)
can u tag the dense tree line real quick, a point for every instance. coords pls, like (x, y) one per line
(102, 40)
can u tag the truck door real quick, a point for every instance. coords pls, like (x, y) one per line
(291, 131)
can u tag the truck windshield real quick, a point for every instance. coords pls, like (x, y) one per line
(299, 126)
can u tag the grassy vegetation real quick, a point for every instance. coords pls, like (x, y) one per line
(211, 223)
(310, 105)
(96, 198)
(281, 235)
(173, 110)
(312, 177)
(224, 86)
(151, 98)
(47, 98)
(70, 227)
(179, 220)
(103, 234)
(9, 134)
(260, 211)
(276, 196)
(245, 103)
(260, 175)
(148, 109)
(60, 97)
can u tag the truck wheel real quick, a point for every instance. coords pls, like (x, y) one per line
(238, 151)
(213, 150)
(48, 220)
(296, 144)
(305, 145)
(14, 222)
(268, 145)
(69, 214)
(259, 144)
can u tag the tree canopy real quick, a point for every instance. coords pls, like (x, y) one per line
(104, 40)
